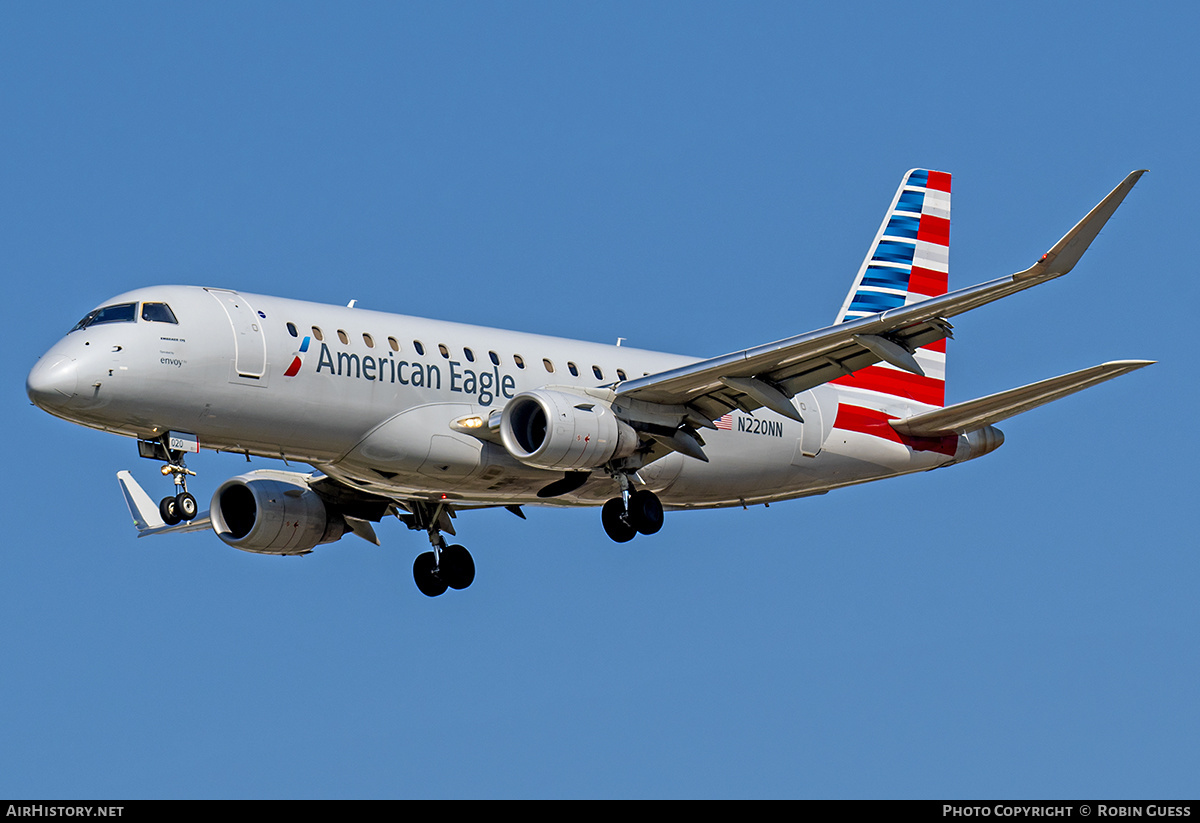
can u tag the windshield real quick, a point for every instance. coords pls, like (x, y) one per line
(119, 313)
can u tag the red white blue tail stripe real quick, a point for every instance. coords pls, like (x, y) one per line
(909, 261)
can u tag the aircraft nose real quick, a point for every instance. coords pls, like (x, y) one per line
(53, 381)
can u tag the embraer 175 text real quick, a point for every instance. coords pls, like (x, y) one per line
(424, 419)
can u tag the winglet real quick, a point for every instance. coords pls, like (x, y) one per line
(1066, 252)
(145, 514)
(141, 507)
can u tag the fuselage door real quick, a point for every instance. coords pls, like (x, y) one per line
(250, 343)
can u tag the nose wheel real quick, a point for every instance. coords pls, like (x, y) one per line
(177, 509)
(181, 506)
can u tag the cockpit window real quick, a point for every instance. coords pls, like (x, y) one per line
(158, 313)
(119, 313)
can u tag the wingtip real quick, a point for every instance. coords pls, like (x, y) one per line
(141, 508)
(1063, 256)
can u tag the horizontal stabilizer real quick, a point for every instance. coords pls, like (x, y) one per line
(984, 411)
(145, 513)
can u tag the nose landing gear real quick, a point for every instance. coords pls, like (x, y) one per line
(182, 506)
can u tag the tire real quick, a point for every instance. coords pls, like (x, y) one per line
(168, 509)
(427, 581)
(614, 525)
(645, 512)
(457, 568)
(185, 506)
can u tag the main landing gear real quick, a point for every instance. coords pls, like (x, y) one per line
(182, 506)
(633, 513)
(445, 566)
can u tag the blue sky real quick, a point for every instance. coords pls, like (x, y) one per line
(694, 177)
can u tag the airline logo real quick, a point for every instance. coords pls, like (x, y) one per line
(297, 360)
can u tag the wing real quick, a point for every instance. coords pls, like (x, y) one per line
(770, 375)
(355, 507)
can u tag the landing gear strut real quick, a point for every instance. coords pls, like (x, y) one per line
(633, 513)
(445, 566)
(181, 506)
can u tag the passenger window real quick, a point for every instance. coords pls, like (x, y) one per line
(369, 340)
(596, 371)
(345, 338)
(417, 345)
(549, 366)
(470, 355)
(394, 343)
(317, 334)
(495, 358)
(291, 327)
(445, 351)
(158, 313)
(572, 369)
(621, 374)
(519, 360)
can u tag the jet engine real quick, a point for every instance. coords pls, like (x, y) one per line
(556, 430)
(273, 512)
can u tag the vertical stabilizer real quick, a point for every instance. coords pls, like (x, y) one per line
(909, 261)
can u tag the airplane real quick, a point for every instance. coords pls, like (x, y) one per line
(424, 419)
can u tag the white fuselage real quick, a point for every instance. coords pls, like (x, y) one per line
(372, 398)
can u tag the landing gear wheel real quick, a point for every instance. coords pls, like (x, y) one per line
(613, 518)
(457, 567)
(645, 512)
(169, 510)
(185, 506)
(425, 575)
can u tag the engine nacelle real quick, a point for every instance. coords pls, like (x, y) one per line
(272, 512)
(560, 431)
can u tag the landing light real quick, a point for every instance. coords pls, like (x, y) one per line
(479, 426)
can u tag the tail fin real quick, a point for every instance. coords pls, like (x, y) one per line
(908, 262)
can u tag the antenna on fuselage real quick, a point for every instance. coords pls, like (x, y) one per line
(350, 305)
(620, 340)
